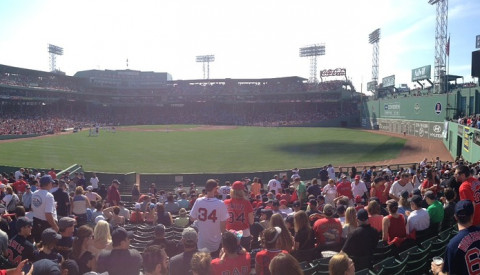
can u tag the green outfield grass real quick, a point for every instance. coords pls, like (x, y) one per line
(244, 149)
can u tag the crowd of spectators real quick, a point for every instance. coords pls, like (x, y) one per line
(76, 224)
(469, 121)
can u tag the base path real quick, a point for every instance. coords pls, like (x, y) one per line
(414, 151)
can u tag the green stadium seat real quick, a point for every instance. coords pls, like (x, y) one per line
(440, 252)
(420, 270)
(414, 263)
(365, 271)
(445, 234)
(321, 273)
(390, 261)
(394, 268)
(440, 243)
(427, 242)
(414, 253)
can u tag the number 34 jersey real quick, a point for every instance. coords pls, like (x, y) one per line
(209, 213)
(238, 211)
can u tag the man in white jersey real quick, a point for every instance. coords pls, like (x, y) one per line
(274, 185)
(43, 208)
(401, 185)
(211, 215)
(225, 190)
(94, 182)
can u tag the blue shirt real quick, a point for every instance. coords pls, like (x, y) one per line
(463, 252)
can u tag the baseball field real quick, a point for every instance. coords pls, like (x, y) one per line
(197, 149)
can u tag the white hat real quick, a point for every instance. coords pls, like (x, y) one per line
(99, 218)
(90, 188)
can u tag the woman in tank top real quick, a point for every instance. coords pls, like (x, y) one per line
(80, 203)
(393, 225)
(163, 217)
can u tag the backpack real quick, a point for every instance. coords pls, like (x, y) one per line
(13, 203)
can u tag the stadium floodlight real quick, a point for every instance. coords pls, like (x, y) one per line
(53, 52)
(441, 45)
(373, 39)
(312, 52)
(205, 59)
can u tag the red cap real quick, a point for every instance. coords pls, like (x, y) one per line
(357, 177)
(278, 196)
(283, 202)
(358, 199)
(238, 185)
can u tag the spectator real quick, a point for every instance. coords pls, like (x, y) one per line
(91, 195)
(323, 176)
(27, 198)
(151, 214)
(418, 219)
(84, 258)
(341, 264)
(123, 211)
(285, 240)
(431, 183)
(256, 187)
(359, 188)
(113, 195)
(66, 226)
(240, 213)
(379, 190)
(393, 225)
(362, 243)
(435, 211)
(467, 189)
(94, 182)
(329, 192)
(270, 250)
(47, 247)
(328, 230)
(224, 191)
(350, 223)
(43, 208)
(403, 204)
(10, 200)
(448, 209)
(401, 185)
(304, 240)
(374, 217)
(182, 220)
(102, 239)
(171, 205)
(314, 189)
(121, 259)
(135, 192)
(211, 215)
(456, 259)
(201, 262)
(155, 261)
(265, 216)
(274, 185)
(231, 261)
(285, 264)
(163, 217)
(19, 247)
(62, 199)
(183, 201)
(159, 239)
(344, 188)
(300, 189)
(180, 264)
(80, 203)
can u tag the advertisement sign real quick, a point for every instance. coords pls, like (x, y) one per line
(336, 72)
(421, 73)
(371, 86)
(423, 129)
(477, 44)
(466, 139)
(388, 81)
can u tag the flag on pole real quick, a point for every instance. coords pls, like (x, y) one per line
(447, 47)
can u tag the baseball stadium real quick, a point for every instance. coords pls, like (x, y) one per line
(156, 141)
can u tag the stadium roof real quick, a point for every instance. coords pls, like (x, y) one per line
(288, 78)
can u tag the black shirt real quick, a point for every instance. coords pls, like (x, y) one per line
(323, 175)
(20, 249)
(63, 202)
(305, 238)
(64, 246)
(54, 256)
(314, 189)
(361, 245)
(120, 261)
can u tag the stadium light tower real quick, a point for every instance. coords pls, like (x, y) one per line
(206, 59)
(54, 51)
(313, 51)
(440, 44)
(373, 39)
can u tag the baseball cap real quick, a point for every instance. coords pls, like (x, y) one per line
(46, 180)
(49, 236)
(362, 215)
(404, 194)
(23, 221)
(45, 266)
(276, 203)
(343, 176)
(417, 199)
(357, 177)
(182, 211)
(429, 194)
(66, 222)
(99, 218)
(296, 203)
(358, 199)
(28, 186)
(464, 208)
(119, 234)
(341, 209)
(267, 212)
(160, 229)
(328, 210)
(278, 196)
(312, 202)
(417, 192)
(90, 188)
(238, 185)
(283, 202)
(189, 235)
(115, 181)
(138, 206)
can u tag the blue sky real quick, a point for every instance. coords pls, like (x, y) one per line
(250, 39)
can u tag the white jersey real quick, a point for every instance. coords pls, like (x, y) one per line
(331, 173)
(224, 191)
(274, 185)
(359, 189)
(397, 189)
(94, 182)
(209, 212)
(43, 202)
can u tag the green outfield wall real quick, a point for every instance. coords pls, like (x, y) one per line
(463, 141)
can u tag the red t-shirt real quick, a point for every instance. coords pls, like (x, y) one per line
(238, 211)
(379, 193)
(470, 190)
(263, 258)
(327, 231)
(397, 227)
(239, 265)
(52, 174)
(428, 184)
(345, 189)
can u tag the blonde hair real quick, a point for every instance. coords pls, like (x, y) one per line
(200, 263)
(237, 194)
(79, 190)
(102, 232)
(351, 217)
(338, 264)
(331, 181)
(285, 240)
